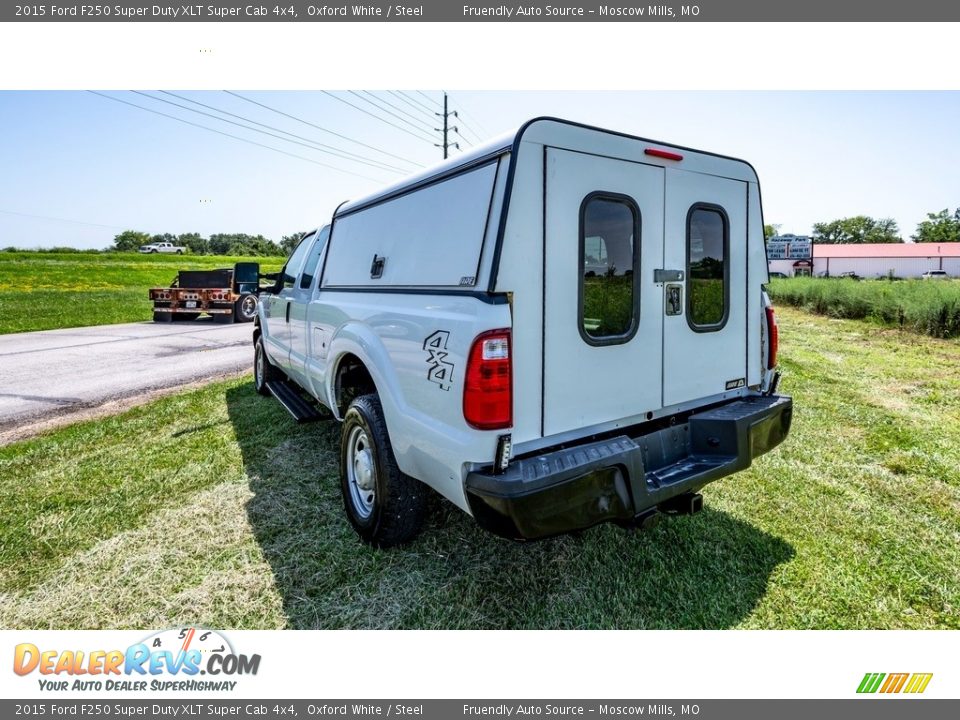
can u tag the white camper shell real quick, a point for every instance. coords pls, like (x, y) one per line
(563, 327)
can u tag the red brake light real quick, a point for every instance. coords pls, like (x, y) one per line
(488, 384)
(773, 339)
(665, 154)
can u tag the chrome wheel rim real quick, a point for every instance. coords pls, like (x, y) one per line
(258, 365)
(249, 306)
(361, 473)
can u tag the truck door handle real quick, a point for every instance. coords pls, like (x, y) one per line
(288, 311)
(661, 276)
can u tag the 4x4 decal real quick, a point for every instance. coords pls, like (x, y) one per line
(440, 370)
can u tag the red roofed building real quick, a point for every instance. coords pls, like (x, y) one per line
(906, 260)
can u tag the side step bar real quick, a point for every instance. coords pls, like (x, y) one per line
(289, 396)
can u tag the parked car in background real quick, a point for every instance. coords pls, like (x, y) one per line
(935, 275)
(163, 247)
(777, 274)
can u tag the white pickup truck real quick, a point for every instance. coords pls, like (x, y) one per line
(564, 327)
(163, 247)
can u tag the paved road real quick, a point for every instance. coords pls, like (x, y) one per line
(57, 372)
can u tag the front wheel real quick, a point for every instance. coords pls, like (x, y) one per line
(385, 507)
(263, 371)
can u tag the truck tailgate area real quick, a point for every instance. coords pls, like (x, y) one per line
(622, 477)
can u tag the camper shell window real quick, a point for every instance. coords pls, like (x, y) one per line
(609, 267)
(708, 267)
(430, 236)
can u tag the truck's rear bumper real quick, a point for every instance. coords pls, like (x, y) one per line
(624, 477)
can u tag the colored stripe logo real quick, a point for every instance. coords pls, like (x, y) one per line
(913, 683)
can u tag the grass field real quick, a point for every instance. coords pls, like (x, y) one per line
(931, 307)
(43, 291)
(213, 507)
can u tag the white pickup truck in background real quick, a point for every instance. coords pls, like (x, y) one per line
(564, 327)
(163, 247)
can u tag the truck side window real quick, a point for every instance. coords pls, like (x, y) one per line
(292, 268)
(310, 268)
(708, 239)
(609, 259)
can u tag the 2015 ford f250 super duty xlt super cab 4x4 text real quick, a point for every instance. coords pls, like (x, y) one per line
(564, 327)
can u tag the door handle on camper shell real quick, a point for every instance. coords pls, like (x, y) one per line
(661, 276)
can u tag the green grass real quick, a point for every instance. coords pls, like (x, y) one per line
(931, 307)
(213, 507)
(44, 291)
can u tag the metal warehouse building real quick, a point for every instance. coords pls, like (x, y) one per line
(906, 260)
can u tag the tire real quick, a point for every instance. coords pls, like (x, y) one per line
(245, 309)
(263, 371)
(179, 252)
(385, 507)
(153, 252)
(163, 317)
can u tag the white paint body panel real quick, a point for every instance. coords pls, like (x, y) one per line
(699, 364)
(587, 384)
(521, 196)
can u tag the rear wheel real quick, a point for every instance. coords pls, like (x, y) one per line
(385, 507)
(162, 316)
(245, 309)
(263, 371)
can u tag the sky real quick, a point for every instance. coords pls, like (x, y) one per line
(77, 168)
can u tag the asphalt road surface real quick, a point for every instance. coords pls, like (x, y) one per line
(60, 372)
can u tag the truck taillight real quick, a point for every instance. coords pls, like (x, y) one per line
(773, 339)
(488, 383)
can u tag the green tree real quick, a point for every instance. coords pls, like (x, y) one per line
(939, 227)
(242, 244)
(289, 242)
(130, 240)
(857, 229)
(196, 243)
(771, 230)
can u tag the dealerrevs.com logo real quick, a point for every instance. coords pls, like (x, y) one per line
(891, 683)
(169, 660)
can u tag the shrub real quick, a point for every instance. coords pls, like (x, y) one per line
(930, 308)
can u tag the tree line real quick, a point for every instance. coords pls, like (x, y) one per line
(216, 244)
(942, 226)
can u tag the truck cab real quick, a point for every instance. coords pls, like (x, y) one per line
(564, 327)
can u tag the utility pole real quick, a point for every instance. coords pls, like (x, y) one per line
(446, 129)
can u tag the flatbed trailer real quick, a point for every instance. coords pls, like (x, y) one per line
(226, 294)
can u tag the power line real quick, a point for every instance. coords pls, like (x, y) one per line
(435, 102)
(388, 112)
(235, 137)
(60, 219)
(322, 129)
(415, 104)
(346, 154)
(264, 132)
(461, 135)
(472, 131)
(367, 112)
(473, 119)
(399, 109)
